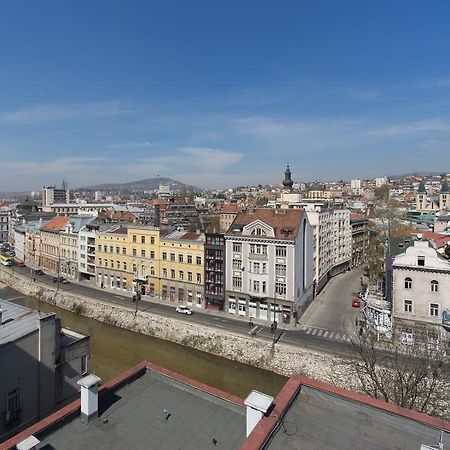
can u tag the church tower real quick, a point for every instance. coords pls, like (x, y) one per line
(421, 197)
(444, 195)
(287, 182)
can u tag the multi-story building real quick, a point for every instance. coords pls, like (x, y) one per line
(4, 221)
(181, 267)
(51, 195)
(70, 246)
(111, 259)
(179, 214)
(421, 286)
(269, 270)
(41, 363)
(143, 258)
(356, 186)
(227, 214)
(215, 261)
(50, 244)
(360, 238)
(33, 244)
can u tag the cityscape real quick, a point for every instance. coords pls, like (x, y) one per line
(197, 257)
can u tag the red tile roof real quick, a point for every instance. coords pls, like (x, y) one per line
(56, 224)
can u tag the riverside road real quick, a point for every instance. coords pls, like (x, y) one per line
(320, 328)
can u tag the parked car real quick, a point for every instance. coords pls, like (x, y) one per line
(356, 303)
(55, 279)
(65, 281)
(39, 272)
(183, 310)
(20, 264)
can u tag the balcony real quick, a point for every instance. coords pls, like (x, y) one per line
(258, 256)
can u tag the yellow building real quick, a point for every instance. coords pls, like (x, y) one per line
(182, 267)
(111, 260)
(143, 258)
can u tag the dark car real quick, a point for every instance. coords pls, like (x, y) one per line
(55, 279)
(39, 272)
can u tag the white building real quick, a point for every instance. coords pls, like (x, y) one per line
(380, 181)
(356, 186)
(269, 264)
(50, 195)
(421, 286)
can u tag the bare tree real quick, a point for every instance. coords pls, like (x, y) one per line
(412, 376)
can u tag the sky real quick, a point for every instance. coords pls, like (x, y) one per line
(221, 93)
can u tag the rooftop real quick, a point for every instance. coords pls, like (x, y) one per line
(56, 224)
(149, 407)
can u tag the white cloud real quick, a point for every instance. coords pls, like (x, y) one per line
(411, 128)
(129, 145)
(50, 113)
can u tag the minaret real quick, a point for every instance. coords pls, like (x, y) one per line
(444, 197)
(287, 182)
(421, 197)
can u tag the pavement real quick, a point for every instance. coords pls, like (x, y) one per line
(319, 328)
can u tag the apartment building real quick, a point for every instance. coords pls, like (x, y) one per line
(111, 259)
(50, 244)
(421, 283)
(269, 271)
(4, 221)
(360, 238)
(214, 262)
(182, 267)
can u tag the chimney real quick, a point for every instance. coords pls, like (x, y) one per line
(89, 397)
(30, 443)
(257, 405)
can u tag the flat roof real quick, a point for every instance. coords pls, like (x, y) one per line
(153, 411)
(17, 321)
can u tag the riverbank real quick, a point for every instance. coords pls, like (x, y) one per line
(282, 359)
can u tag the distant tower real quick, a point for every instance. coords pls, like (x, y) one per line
(421, 197)
(64, 184)
(287, 182)
(444, 195)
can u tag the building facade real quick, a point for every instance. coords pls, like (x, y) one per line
(215, 262)
(4, 222)
(421, 286)
(269, 271)
(360, 238)
(50, 244)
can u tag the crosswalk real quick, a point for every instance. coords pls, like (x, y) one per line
(323, 333)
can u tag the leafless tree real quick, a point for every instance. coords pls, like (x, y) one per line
(412, 376)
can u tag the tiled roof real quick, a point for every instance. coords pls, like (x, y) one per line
(285, 222)
(56, 224)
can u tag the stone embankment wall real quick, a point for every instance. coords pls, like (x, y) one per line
(284, 359)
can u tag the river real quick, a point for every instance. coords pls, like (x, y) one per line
(114, 350)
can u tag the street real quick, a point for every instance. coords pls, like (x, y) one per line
(314, 331)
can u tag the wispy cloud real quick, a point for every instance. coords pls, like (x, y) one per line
(74, 111)
(411, 128)
(364, 94)
(130, 145)
(435, 83)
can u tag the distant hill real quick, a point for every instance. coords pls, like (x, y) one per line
(149, 184)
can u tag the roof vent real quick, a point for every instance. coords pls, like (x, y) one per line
(89, 397)
(257, 405)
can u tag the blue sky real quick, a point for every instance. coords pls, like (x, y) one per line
(221, 93)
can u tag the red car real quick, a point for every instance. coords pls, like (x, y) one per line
(356, 303)
(21, 264)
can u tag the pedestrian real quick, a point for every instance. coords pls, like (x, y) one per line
(356, 321)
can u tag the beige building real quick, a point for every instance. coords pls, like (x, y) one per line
(227, 215)
(50, 244)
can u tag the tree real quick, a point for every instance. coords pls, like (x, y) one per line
(411, 376)
(382, 192)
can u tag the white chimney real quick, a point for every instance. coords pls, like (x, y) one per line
(257, 405)
(30, 443)
(89, 397)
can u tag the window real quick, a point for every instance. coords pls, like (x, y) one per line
(112, 264)
(99, 247)
(408, 283)
(256, 286)
(258, 249)
(181, 275)
(280, 270)
(111, 249)
(280, 251)
(199, 278)
(164, 273)
(84, 364)
(263, 287)
(237, 264)
(164, 256)
(124, 250)
(434, 286)
(118, 264)
(134, 238)
(172, 256)
(421, 260)
(408, 306)
(189, 259)
(152, 254)
(434, 310)
(105, 248)
(180, 295)
(189, 276)
(117, 250)
(280, 288)
(152, 240)
(237, 282)
(134, 252)
(258, 232)
(106, 262)
(124, 265)
(255, 267)
(152, 270)
(172, 273)
(264, 268)
(143, 253)
(237, 247)
(142, 239)
(99, 261)
(180, 257)
(13, 405)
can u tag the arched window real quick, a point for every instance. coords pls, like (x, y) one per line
(134, 268)
(152, 270)
(143, 270)
(434, 286)
(408, 283)
(258, 232)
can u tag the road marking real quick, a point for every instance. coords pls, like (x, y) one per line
(314, 331)
(325, 334)
(320, 333)
(308, 330)
(11, 299)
